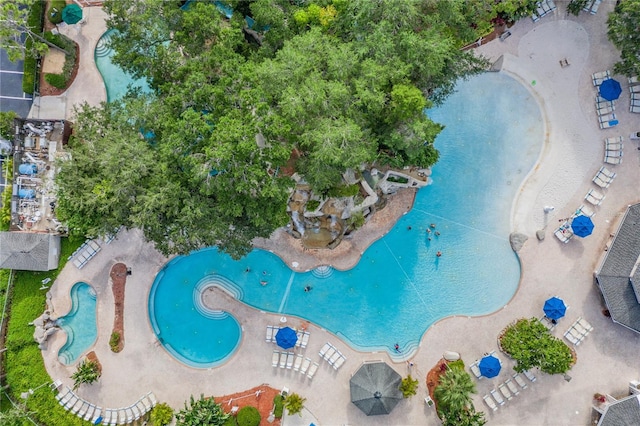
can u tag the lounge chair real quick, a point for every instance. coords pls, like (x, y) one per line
(608, 124)
(90, 414)
(339, 362)
(299, 334)
(604, 109)
(490, 402)
(324, 349)
(83, 409)
(633, 80)
(334, 357)
(594, 197)
(496, 395)
(520, 381)
(607, 117)
(613, 160)
(64, 396)
(614, 153)
(108, 418)
(329, 353)
(547, 323)
(612, 144)
(475, 370)
(597, 179)
(634, 89)
(296, 366)
(305, 365)
(564, 233)
(305, 339)
(602, 101)
(122, 417)
(512, 387)
(283, 359)
(274, 358)
(574, 340)
(96, 415)
(504, 390)
(290, 357)
(153, 399)
(141, 407)
(585, 324)
(599, 77)
(270, 334)
(529, 376)
(136, 412)
(585, 211)
(129, 413)
(595, 6)
(80, 404)
(635, 109)
(71, 402)
(312, 370)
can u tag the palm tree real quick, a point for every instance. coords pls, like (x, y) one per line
(294, 403)
(453, 394)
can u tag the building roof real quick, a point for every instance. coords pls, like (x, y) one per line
(29, 251)
(625, 412)
(617, 277)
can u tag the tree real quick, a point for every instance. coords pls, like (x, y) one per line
(466, 417)
(201, 412)
(248, 416)
(294, 403)
(453, 393)
(408, 386)
(87, 372)
(14, 416)
(623, 33)
(6, 124)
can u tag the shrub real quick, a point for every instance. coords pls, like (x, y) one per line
(248, 416)
(278, 406)
(6, 124)
(408, 386)
(114, 342)
(55, 11)
(202, 412)
(56, 80)
(161, 415)
(344, 191)
(312, 205)
(356, 220)
(294, 403)
(87, 372)
(575, 6)
(5, 210)
(397, 179)
(34, 21)
(231, 421)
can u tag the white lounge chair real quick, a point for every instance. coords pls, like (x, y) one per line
(512, 387)
(613, 160)
(608, 124)
(129, 415)
(529, 375)
(153, 399)
(312, 370)
(283, 359)
(339, 362)
(329, 353)
(504, 390)
(490, 402)
(607, 117)
(298, 363)
(83, 410)
(324, 349)
(71, 402)
(635, 109)
(602, 101)
(585, 211)
(585, 324)
(574, 340)
(520, 381)
(633, 80)
(475, 370)
(547, 323)
(594, 197)
(496, 395)
(141, 408)
(108, 418)
(612, 146)
(96, 414)
(599, 77)
(305, 365)
(614, 153)
(78, 406)
(595, 6)
(299, 334)
(270, 334)
(604, 109)
(564, 233)
(634, 89)
(136, 412)
(305, 339)
(334, 357)
(597, 179)
(290, 357)
(275, 358)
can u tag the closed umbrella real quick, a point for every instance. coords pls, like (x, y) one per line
(490, 366)
(286, 338)
(582, 226)
(375, 388)
(72, 14)
(610, 89)
(554, 308)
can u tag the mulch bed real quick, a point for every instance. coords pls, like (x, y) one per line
(118, 280)
(433, 378)
(263, 402)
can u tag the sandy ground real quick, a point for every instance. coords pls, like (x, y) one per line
(572, 154)
(53, 62)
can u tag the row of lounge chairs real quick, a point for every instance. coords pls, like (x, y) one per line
(613, 150)
(578, 331)
(507, 390)
(108, 416)
(634, 89)
(591, 6)
(84, 253)
(543, 8)
(332, 355)
(303, 336)
(301, 364)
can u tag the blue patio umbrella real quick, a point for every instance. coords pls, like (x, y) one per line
(286, 338)
(582, 226)
(610, 89)
(554, 308)
(490, 366)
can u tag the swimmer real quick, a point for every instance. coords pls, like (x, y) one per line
(397, 347)
(428, 231)
(248, 269)
(408, 228)
(263, 283)
(264, 272)
(308, 288)
(433, 225)
(429, 239)
(438, 254)
(437, 233)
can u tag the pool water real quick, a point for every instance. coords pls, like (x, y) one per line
(400, 287)
(116, 81)
(79, 324)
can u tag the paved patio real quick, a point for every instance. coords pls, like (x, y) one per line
(572, 154)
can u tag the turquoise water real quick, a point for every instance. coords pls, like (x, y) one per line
(79, 324)
(115, 79)
(400, 287)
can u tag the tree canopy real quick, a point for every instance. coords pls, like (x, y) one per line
(328, 86)
(624, 34)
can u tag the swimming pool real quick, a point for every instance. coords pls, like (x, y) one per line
(115, 79)
(400, 287)
(79, 324)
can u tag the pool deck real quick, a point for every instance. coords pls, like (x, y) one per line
(572, 154)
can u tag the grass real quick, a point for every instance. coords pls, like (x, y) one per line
(24, 365)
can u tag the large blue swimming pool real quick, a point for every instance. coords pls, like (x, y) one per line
(79, 324)
(400, 287)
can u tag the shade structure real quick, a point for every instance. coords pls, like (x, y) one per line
(554, 308)
(490, 366)
(375, 388)
(72, 14)
(286, 338)
(610, 89)
(582, 226)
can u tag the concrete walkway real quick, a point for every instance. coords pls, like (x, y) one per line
(572, 154)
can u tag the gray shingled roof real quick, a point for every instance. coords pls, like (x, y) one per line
(614, 277)
(625, 412)
(28, 251)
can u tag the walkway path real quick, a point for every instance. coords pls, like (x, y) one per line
(607, 359)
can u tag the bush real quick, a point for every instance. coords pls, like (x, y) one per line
(88, 372)
(56, 80)
(248, 416)
(294, 403)
(161, 415)
(34, 21)
(114, 342)
(231, 421)
(409, 386)
(55, 11)
(312, 205)
(344, 191)
(278, 406)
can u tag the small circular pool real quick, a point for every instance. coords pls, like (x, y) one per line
(190, 331)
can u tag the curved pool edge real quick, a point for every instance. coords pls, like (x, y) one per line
(75, 306)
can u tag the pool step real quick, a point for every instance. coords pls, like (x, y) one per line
(222, 283)
(322, 272)
(103, 48)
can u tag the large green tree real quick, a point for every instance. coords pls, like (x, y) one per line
(623, 33)
(201, 412)
(453, 393)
